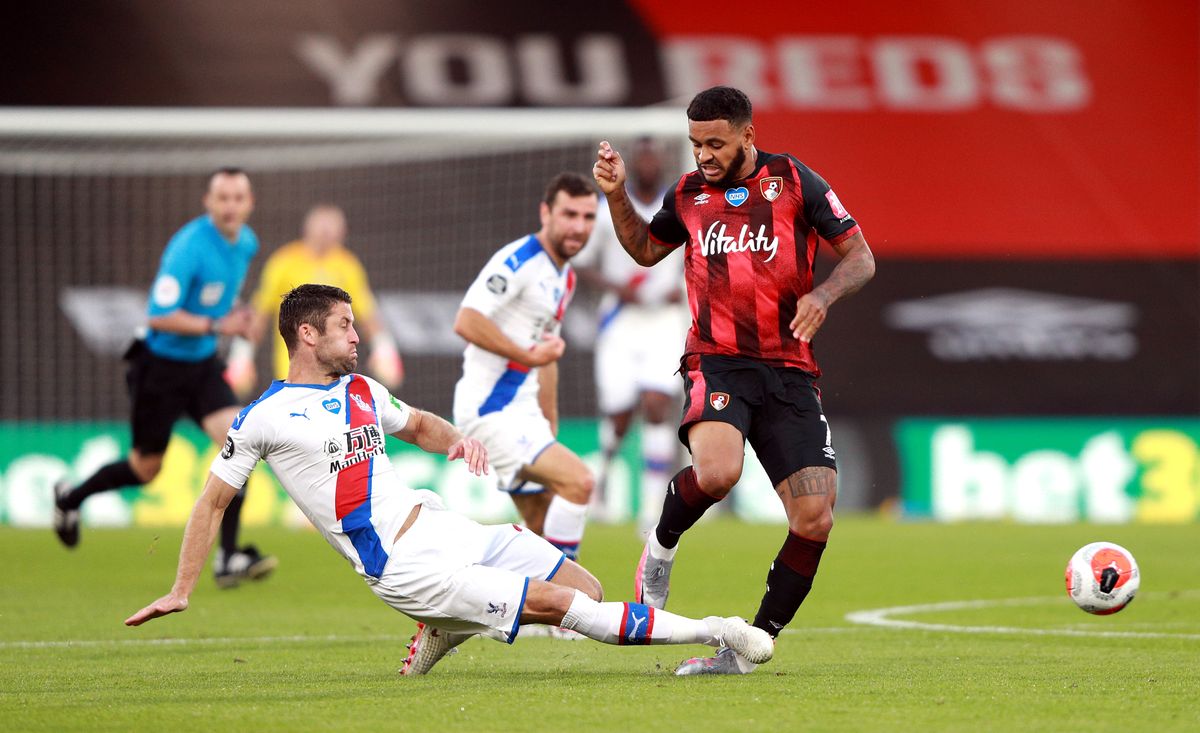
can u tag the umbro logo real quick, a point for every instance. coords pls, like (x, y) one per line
(701, 199)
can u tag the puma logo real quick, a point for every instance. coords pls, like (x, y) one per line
(636, 623)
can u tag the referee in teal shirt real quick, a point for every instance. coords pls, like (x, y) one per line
(175, 370)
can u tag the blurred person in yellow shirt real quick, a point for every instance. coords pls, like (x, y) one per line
(319, 256)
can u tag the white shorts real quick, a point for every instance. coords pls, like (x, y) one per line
(638, 351)
(514, 439)
(458, 575)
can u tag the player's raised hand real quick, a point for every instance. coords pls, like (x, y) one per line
(473, 453)
(609, 170)
(810, 314)
(168, 604)
(549, 350)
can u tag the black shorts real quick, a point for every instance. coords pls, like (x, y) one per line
(778, 409)
(161, 390)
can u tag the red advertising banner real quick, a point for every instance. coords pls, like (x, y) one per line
(1019, 129)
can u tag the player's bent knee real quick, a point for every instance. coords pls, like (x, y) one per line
(814, 528)
(579, 490)
(717, 481)
(574, 575)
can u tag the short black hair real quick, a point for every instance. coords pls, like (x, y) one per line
(225, 170)
(721, 103)
(573, 184)
(309, 303)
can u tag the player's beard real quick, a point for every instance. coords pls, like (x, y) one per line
(559, 246)
(338, 366)
(730, 176)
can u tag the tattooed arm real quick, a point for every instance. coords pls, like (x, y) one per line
(632, 230)
(855, 269)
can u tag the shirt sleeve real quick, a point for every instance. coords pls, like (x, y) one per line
(665, 227)
(241, 453)
(495, 286)
(175, 274)
(822, 209)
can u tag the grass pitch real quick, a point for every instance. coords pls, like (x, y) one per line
(312, 649)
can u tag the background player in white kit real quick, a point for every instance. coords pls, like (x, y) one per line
(507, 397)
(322, 432)
(642, 324)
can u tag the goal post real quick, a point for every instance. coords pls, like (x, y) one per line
(91, 196)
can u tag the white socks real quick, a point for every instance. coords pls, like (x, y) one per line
(657, 551)
(635, 623)
(564, 525)
(660, 451)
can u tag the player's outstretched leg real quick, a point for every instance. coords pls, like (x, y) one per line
(683, 506)
(639, 624)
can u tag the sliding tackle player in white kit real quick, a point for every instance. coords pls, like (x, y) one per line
(322, 432)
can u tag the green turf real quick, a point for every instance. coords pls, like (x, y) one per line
(281, 671)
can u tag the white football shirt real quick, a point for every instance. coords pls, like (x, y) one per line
(325, 444)
(525, 294)
(604, 251)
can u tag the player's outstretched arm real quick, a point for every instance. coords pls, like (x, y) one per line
(432, 434)
(632, 230)
(198, 538)
(855, 269)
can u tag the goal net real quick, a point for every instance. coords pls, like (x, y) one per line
(89, 198)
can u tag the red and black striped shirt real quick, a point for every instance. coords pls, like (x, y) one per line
(749, 258)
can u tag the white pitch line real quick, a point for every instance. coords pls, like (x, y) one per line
(881, 617)
(198, 641)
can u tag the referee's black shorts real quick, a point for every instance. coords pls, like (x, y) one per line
(778, 409)
(161, 390)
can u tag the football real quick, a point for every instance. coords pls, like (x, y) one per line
(1102, 578)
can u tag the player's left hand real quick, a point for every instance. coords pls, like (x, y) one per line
(810, 314)
(473, 454)
(239, 321)
(168, 604)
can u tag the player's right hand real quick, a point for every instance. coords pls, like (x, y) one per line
(609, 170)
(547, 351)
(168, 604)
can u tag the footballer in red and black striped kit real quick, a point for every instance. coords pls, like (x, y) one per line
(751, 222)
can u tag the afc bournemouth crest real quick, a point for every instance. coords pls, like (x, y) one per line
(771, 187)
(719, 400)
